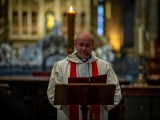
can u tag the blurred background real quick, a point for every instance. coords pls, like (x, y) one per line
(33, 36)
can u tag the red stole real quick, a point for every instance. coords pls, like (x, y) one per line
(74, 109)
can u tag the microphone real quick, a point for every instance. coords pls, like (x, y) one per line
(88, 55)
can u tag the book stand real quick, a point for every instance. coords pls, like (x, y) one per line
(84, 94)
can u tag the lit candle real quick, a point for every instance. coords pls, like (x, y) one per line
(70, 25)
(140, 41)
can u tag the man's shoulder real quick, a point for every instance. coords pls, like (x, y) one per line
(102, 61)
(62, 61)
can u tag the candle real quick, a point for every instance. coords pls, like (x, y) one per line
(70, 25)
(140, 41)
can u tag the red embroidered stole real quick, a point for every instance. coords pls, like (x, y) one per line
(95, 109)
(74, 109)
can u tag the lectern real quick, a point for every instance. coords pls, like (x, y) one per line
(84, 94)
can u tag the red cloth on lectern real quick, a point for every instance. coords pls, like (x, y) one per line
(74, 109)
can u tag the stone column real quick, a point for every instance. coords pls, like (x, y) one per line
(153, 26)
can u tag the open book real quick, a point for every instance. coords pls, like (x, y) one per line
(93, 79)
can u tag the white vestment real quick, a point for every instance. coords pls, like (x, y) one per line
(61, 72)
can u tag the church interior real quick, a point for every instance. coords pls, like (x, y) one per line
(34, 34)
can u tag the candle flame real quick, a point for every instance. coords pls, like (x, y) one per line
(71, 9)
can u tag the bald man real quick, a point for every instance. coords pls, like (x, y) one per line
(76, 65)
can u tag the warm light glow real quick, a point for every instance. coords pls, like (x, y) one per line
(115, 41)
(71, 10)
(50, 21)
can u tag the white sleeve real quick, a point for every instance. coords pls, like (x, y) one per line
(112, 79)
(55, 78)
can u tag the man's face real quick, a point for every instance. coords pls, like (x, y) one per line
(84, 45)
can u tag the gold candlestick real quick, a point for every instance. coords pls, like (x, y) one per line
(140, 81)
(70, 25)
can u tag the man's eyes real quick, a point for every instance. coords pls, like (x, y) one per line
(80, 44)
(87, 45)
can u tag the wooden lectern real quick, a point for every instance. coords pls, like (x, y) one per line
(84, 94)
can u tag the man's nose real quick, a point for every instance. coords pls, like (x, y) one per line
(84, 47)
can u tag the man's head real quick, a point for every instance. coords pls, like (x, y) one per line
(84, 44)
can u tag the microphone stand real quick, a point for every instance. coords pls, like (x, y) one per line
(84, 107)
(89, 83)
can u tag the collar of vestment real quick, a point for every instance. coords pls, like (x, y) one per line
(83, 59)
